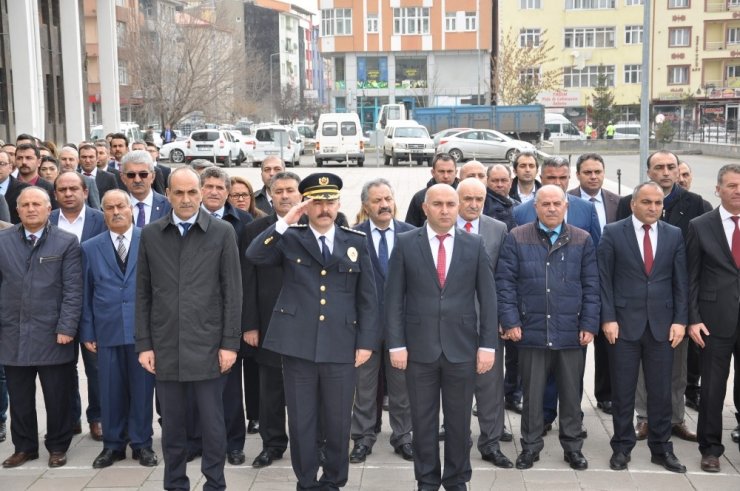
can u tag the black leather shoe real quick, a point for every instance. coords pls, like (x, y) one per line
(107, 457)
(253, 426)
(515, 406)
(546, 428)
(497, 458)
(359, 453)
(576, 460)
(526, 459)
(265, 458)
(3, 431)
(406, 451)
(693, 402)
(236, 457)
(506, 436)
(735, 434)
(669, 462)
(619, 461)
(194, 454)
(145, 456)
(605, 406)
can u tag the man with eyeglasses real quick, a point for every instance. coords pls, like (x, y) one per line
(137, 174)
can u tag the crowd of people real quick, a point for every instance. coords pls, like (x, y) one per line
(230, 311)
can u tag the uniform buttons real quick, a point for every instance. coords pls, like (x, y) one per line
(323, 288)
(350, 270)
(323, 272)
(323, 301)
(548, 290)
(321, 317)
(548, 316)
(298, 260)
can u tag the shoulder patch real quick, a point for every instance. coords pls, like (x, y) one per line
(299, 225)
(358, 232)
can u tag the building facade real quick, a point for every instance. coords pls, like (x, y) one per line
(420, 53)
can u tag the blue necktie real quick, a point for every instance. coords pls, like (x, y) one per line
(185, 227)
(324, 249)
(383, 251)
(141, 219)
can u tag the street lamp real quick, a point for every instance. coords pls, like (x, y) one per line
(272, 98)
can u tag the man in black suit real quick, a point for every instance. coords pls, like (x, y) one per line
(324, 324)
(104, 180)
(590, 171)
(644, 293)
(524, 184)
(443, 172)
(137, 173)
(262, 286)
(713, 250)
(679, 208)
(268, 168)
(432, 331)
(215, 186)
(28, 159)
(118, 149)
(381, 230)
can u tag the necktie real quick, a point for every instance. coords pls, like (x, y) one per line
(592, 199)
(442, 260)
(185, 227)
(324, 249)
(736, 242)
(468, 227)
(32, 238)
(87, 174)
(383, 251)
(121, 249)
(647, 249)
(141, 218)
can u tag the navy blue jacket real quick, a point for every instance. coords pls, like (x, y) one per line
(581, 214)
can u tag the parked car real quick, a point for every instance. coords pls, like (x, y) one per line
(448, 132)
(174, 151)
(483, 145)
(627, 131)
(128, 128)
(308, 135)
(339, 138)
(213, 144)
(561, 128)
(247, 144)
(407, 141)
(268, 140)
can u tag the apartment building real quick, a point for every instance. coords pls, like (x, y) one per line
(589, 37)
(419, 52)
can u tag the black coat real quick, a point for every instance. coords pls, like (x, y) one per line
(501, 208)
(415, 214)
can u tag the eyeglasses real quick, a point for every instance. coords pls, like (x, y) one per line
(142, 174)
(4, 164)
(240, 196)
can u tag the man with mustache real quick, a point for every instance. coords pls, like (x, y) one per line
(137, 174)
(107, 328)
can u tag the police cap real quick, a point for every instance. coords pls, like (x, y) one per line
(321, 185)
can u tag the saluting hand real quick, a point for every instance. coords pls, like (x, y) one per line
(296, 212)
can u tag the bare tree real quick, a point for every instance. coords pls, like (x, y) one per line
(518, 76)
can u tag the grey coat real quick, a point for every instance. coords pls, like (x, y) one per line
(188, 297)
(41, 296)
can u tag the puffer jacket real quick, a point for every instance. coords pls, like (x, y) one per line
(552, 293)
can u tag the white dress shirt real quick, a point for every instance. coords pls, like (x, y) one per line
(177, 221)
(640, 232)
(598, 202)
(127, 235)
(390, 237)
(215, 214)
(329, 238)
(449, 243)
(475, 225)
(148, 203)
(727, 224)
(75, 226)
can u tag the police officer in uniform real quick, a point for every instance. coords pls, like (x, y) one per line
(324, 324)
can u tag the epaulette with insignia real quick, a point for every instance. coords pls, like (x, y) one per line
(301, 225)
(358, 232)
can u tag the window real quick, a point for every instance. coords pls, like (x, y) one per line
(678, 75)
(589, 37)
(411, 20)
(678, 4)
(339, 72)
(121, 33)
(589, 4)
(529, 38)
(632, 34)
(679, 37)
(733, 35)
(411, 73)
(529, 76)
(632, 74)
(627, 3)
(372, 72)
(336, 22)
(372, 23)
(530, 4)
(450, 21)
(329, 129)
(733, 71)
(122, 73)
(348, 128)
(471, 21)
(588, 77)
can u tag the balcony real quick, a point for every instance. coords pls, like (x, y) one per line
(722, 6)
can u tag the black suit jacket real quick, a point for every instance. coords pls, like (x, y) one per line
(629, 295)
(262, 202)
(685, 207)
(365, 227)
(714, 279)
(611, 202)
(105, 182)
(11, 196)
(430, 320)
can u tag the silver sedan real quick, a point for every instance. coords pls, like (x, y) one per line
(482, 145)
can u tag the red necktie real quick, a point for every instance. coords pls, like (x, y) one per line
(441, 259)
(647, 249)
(468, 227)
(736, 242)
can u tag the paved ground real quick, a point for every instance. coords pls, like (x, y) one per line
(385, 471)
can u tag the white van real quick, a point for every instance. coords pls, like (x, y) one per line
(390, 113)
(561, 128)
(339, 138)
(128, 128)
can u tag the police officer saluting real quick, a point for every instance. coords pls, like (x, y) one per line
(324, 324)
